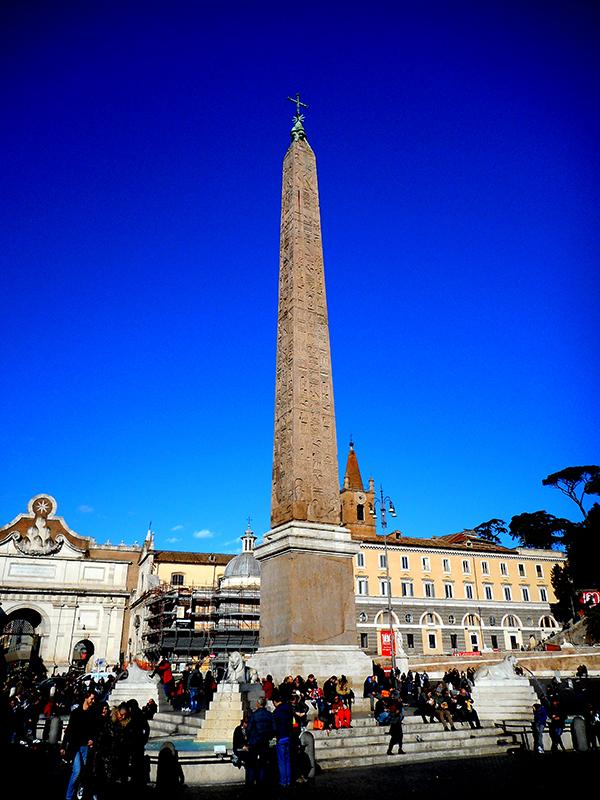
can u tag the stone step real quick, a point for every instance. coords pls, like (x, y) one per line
(176, 716)
(330, 747)
(375, 731)
(413, 753)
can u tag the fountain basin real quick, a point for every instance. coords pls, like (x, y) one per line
(200, 763)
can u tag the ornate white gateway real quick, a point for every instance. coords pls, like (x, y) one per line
(64, 596)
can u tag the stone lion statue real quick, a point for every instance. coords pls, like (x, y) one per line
(236, 669)
(504, 670)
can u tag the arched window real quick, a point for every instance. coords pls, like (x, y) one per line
(430, 618)
(360, 512)
(19, 637)
(177, 578)
(382, 618)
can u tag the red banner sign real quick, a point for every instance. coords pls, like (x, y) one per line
(589, 597)
(385, 638)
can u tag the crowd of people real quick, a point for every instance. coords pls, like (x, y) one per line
(104, 746)
(551, 713)
(271, 743)
(446, 701)
(193, 691)
(99, 745)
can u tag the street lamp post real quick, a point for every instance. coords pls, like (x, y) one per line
(382, 500)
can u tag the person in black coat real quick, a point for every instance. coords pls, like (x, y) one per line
(396, 710)
(79, 738)
(260, 731)
(138, 737)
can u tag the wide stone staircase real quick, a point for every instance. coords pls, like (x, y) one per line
(366, 743)
(504, 709)
(505, 701)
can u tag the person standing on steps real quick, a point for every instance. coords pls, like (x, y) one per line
(396, 710)
(165, 673)
(540, 715)
(283, 721)
(259, 733)
(556, 726)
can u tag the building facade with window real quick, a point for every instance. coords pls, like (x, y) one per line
(454, 593)
(189, 605)
(64, 596)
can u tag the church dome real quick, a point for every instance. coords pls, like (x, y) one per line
(243, 565)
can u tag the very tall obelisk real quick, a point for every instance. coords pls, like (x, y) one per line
(307, 614)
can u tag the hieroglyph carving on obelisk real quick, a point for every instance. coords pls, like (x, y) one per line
(305, 472)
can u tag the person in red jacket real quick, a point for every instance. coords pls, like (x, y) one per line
(268, 687)
(165, 673)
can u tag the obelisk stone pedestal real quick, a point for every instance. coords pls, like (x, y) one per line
(307, 603)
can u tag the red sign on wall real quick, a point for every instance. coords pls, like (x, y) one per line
(385, 638)
(589, 597)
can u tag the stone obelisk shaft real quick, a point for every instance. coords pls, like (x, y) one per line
(307, 608)
(305, 474)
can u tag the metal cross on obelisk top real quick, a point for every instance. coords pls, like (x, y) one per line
(299, 104)
(297, 131)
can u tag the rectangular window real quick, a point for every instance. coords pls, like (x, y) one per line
(507, 593)
(407, 589)
(364, 641)
(428, 589)
(525, 592)
(543, 595)
(521, 570)
(469, 591)
(466, 567)
(503, 569)
(382, 561)
(489, 594)
(404, 562)
(494, 639)
(485, 568)
(539, 572)
(454, 641)
(363, 586)
(426, 564)
(448, 591)
(384, 588)
(360, 559)
(446, 564)
(410, 640)
(432, 642)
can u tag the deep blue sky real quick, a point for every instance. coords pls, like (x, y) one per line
(457, 146)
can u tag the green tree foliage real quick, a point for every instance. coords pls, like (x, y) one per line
(562, 583)
(539, 530)
(575, 482)
(491, 530)
(593, 486)
(580, 540)
(583, 551)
